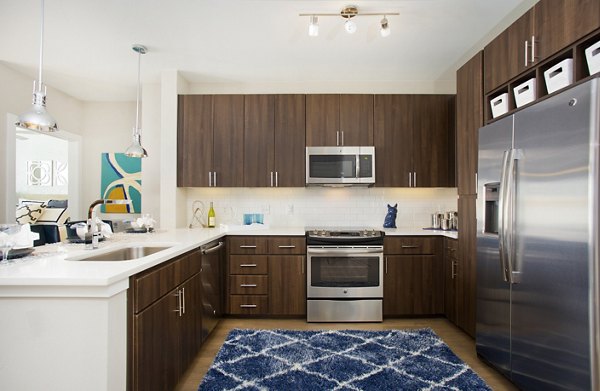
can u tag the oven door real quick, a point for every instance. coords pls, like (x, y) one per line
(344, 272)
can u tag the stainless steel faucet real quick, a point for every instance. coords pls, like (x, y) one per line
(92, 235)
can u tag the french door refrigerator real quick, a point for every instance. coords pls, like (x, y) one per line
(537, 243)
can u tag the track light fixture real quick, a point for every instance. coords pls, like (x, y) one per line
(349, 12)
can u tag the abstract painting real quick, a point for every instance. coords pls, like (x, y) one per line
(121, 179)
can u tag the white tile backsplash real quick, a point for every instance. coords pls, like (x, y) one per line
(315, 206)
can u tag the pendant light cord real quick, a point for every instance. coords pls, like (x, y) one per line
(137, 106)
(41, 50)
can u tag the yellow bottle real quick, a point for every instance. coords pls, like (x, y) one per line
(211, 216)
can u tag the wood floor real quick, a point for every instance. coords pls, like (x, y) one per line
(460, 343)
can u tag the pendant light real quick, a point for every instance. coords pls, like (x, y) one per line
(37, 118)
(136, 149)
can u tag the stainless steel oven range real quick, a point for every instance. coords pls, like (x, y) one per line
(344, 275)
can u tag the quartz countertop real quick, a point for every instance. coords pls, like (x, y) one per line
(55, 266)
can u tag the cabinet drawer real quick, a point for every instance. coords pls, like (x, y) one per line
(155, 283)
(287, 245)
(248, 245)
(411, 245)
(248, 264)
(248, 305)
(248, 285)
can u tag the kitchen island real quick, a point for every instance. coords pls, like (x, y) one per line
(64, 321)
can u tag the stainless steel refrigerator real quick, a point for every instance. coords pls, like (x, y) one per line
(537, 243)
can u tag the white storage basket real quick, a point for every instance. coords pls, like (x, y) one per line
(499, 105)
(525, 92)
(559, 76)
(592, 54)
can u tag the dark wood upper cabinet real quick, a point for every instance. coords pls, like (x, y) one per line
(356, 119)
(336, 120)
(469, 118)
(548, 27)
(322, 119)
(290, 141)
(194, 140)
(504, 56)
(558, 23)
(433, 133)
(393, 140)
(228, 140)
(259, 140)
(414, 140)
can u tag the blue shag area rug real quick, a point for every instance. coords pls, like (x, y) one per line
(338, 360)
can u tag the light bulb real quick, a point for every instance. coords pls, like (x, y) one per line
(350, 26)
(385, 28)
(313, 26)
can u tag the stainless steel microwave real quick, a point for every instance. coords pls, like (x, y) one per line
(340, 166)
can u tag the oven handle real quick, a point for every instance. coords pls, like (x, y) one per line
(353, 250)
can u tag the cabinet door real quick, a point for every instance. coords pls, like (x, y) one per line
(356, 119)
(290, 140)
(412, 285)
(504, 57)
(156, 351)
(466, 289)
(287, 285)
(433, 137)
(322, 119)
(194, 140)
(393, 140)
(450, 263)
(259, 140)
(469, 118)
(228, 142)
(559, 23)
(190, 322)
(212, 290)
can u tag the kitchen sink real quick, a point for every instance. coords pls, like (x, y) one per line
(122, 254)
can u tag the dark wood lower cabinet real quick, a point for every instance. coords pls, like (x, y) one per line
(450, 278)
(466, 290)
(287, 285)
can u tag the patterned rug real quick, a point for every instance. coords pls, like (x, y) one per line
(338, 360)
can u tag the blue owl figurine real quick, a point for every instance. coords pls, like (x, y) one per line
(390, 217)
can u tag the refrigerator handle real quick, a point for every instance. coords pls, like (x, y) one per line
(502, 216)
(511, 215)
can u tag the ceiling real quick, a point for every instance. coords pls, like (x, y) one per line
(88, 54)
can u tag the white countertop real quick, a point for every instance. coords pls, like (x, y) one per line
(51, 272)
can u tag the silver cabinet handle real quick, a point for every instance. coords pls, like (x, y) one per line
(414, 179)
(287, 246)
(179, 306)
(210, 179)
(247, 305)
(212, 249)
(247, 246)
(183, 300)
(526, 53)
(248, 265)
(248, 285)
(215, 178)
(276, 178)
(271, 178)
(407, 246)
(342, 137)
(454, 269)
(532, 49)
(410, 179)
(476, 184)
(337, 137)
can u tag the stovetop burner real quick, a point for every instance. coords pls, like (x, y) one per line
(343, 235)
